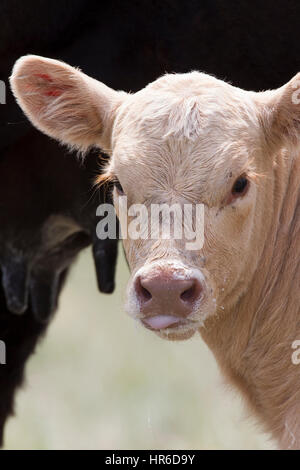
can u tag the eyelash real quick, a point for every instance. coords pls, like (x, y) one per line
(118, 186)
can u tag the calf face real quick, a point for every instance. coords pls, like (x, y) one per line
(183, 140)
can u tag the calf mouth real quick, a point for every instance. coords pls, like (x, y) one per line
(170, 327)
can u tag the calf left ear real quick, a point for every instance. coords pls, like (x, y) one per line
(281, 113)
(64, 103)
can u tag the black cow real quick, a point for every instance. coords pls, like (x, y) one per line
(47, 204)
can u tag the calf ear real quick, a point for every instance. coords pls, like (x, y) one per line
(65, 103)
(281, 113)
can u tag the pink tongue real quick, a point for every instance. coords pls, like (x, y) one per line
(161, 321)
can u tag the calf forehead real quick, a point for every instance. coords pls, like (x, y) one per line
(181, 120)
(187, 104)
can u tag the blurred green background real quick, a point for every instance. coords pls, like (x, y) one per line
(100, 381)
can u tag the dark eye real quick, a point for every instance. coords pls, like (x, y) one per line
(118, 187)
(240, 186)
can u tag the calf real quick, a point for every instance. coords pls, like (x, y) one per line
(136, 43)
(194, 139)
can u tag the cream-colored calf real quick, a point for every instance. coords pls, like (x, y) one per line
(192, 139)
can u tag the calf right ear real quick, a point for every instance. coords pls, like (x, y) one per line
(281, 113)
(64, 103)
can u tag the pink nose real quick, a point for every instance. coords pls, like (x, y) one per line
(166, 300)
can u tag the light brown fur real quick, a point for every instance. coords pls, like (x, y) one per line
(186, 139)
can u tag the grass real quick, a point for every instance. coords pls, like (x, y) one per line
(98, 381)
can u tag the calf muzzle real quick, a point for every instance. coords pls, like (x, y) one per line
(167, 295)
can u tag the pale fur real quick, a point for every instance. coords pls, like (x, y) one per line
(186, 138)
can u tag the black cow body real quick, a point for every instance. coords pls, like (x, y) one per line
(47, 204)
(47, 216)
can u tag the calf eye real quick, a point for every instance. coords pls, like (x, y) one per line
(240, 186)
(118, 187)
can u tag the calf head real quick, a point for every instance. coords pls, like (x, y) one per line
(184, 140)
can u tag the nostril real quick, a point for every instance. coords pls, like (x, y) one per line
(143, 294)
(188, 294)
(192, 293)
